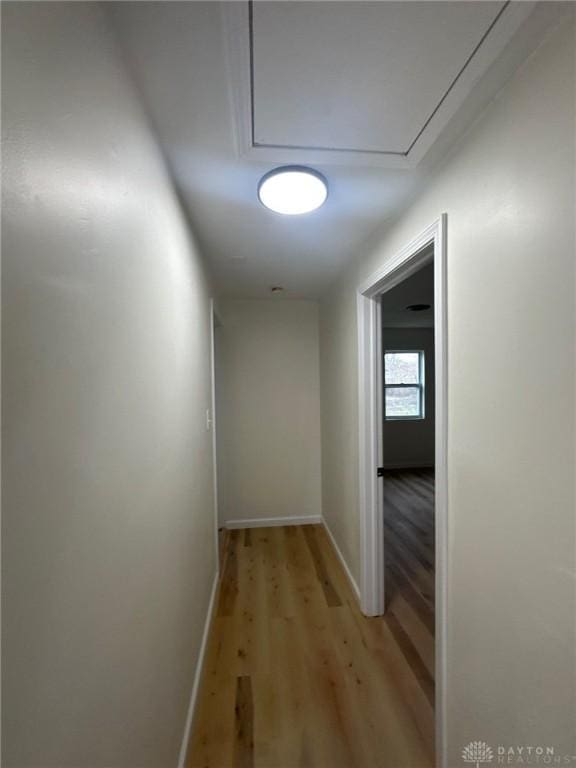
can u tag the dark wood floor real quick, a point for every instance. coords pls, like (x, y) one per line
(409, 562)
(295, 676)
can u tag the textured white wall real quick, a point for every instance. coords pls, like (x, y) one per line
(108, 538)
(509, 192)
(269, 410)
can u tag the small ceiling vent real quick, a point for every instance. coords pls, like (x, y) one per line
(417, 307)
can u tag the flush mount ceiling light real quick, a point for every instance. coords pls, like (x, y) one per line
(292, 190)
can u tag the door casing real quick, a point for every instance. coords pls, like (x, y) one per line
(428, 245)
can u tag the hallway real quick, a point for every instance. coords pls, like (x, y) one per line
(260, 261)
(295, 675)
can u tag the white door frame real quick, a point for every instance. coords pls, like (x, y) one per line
(370, 396)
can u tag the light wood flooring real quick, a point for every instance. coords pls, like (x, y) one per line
(296, 676)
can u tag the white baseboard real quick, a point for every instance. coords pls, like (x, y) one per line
(271, 522)
(409, 465)
(198, 675)
(342, 560)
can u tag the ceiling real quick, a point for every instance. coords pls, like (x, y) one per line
(336, 75)
(416, 289)
(371, 94)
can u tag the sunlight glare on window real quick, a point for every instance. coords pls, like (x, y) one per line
(403, 385)
(402, 367)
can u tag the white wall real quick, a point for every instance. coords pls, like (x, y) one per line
(269, 410)
(411, 443)
(108, 539)
(508, 190)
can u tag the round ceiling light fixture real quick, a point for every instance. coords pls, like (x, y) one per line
(292, 190)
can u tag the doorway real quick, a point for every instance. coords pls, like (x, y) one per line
(408, 432)
(427, 251)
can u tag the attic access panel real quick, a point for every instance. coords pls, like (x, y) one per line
(359, 77)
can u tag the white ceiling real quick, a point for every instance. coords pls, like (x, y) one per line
(362, 75)
(416, 289)
(338, 74)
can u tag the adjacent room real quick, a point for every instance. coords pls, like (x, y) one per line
(408, 444)
(284, 483)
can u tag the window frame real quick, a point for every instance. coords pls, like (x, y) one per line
(420, 386)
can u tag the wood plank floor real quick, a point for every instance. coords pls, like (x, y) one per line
(409, 549)
(295, 676)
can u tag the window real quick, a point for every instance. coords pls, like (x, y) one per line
(403, 385)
